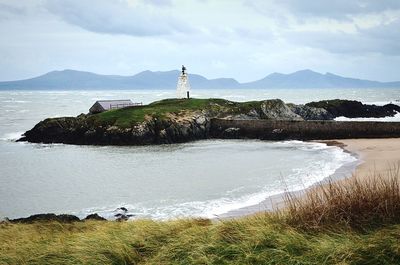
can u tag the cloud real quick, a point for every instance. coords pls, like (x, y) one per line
(382, 39)
(344, 27)
(337, 9)
(7, 11)
(127, 17)
(245, 39)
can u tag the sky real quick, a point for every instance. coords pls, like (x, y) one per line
(242, 39)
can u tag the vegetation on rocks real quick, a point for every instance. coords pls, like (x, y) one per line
(163, 109)
(182, 120)
(165, 121)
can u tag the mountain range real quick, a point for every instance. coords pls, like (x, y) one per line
(72, 79)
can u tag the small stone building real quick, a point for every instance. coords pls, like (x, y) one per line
(103, 105)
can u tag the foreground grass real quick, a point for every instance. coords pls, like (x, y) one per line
(254, 240)
(315, 230)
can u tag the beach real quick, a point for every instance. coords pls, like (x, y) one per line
(375, 157)
(378, 156)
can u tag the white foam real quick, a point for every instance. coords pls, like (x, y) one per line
(332, 158)
(382, 103)
(16, 101)
(11, 136)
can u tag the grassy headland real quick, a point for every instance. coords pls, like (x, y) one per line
(127, 117)
(356, 223)
(183, 120)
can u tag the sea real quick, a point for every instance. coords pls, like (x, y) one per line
(208, 178)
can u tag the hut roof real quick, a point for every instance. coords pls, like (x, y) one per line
(103, 105)
(108, 104)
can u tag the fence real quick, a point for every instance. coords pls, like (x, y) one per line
(124, 105)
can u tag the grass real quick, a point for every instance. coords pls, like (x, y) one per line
(127, 117)
(358, 204)
(356, 223)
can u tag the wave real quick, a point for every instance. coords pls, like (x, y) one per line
(16, 101)
(13, 136)
(382, 103)
(332, 158)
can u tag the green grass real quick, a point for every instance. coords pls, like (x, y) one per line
(259, 239)
(130, 116)
(356, 223)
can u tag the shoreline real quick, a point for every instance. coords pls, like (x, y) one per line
(374, 156)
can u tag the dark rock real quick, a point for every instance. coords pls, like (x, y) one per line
(231, 133)
(122, 214)
(48, 217)
(95, 216)
(355, 109)
(122, 209)
(311, 113)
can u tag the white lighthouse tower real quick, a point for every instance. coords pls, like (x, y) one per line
(183, 87)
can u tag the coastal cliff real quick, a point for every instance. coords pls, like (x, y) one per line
(182, 120)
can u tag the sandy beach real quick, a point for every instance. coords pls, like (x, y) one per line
(375, 157)
(378, 156)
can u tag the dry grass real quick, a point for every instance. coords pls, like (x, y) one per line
(356, 203)
(316, 230)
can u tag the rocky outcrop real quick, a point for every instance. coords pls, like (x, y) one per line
(81, 130)
(51, 217)
(309, 113)
(190, 124)
(355, 109)
(47, 217)
(94, 217)
(277, 110)
(273, 109)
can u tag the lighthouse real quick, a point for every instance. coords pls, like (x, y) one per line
(183, 87)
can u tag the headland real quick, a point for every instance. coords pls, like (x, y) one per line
(183, 120)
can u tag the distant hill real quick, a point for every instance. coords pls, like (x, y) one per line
(311, 79)
(72, 79)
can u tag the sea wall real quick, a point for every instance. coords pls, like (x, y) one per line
(301, 130)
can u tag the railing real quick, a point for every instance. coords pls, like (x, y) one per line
(124, 105)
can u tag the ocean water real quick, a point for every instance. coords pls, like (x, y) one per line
(204, 178)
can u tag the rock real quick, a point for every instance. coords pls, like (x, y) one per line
(242, 117)
(276, 109)
(94, 216)
(231, 133)
(251, 115)
(277, 131)
(189, 125)
(122, 214)
(48, 217)
(201, 119)
(355, 109)
(254, 114)
(311, 113)
(122, 209)
(82, 116)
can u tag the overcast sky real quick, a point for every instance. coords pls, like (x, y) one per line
(243, 39)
